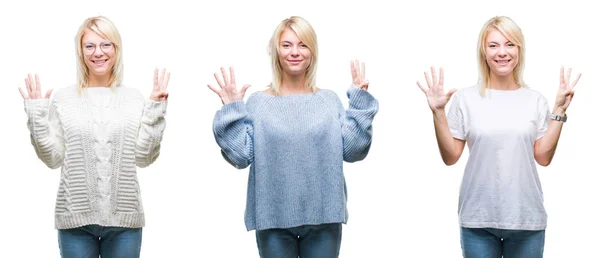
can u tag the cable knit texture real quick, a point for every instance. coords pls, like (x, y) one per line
(295, 146)
(97, 137)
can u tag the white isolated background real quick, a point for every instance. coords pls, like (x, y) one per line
(402, 199)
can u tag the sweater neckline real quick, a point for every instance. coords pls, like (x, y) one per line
(298, 95)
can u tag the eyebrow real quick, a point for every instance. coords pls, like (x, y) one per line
(494, 42)
(285, 41)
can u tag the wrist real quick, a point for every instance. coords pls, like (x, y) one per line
(559, 111)
(438, 111)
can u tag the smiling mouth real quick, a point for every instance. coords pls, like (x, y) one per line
(99, 62)
(503, 62)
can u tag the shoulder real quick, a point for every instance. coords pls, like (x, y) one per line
(328, 96)
(130, 92)
(534, 95)
(66, 92)
(467, 93)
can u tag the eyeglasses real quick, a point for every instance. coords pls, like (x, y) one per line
(106, 47)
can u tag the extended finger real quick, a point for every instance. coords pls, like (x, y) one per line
(353, 70)
(568, 79)
(161, 78)
(166, 82)
(428, 80)
(22, 94)
(562, 75)
(48, 93)
(215, 90)
(219, 80)
(31, 83)
(575, 82)
(362, 71)
(441, 76)
(225, 77)
(232, 75)
(28, 85)
(434, 76)
(243, 90)
(156, 86)
(38, 85)
(422, 87)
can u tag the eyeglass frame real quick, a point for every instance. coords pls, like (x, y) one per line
(92, 51)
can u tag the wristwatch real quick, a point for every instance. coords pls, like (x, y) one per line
(558, 118)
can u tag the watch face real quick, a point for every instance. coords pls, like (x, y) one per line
(558, 118)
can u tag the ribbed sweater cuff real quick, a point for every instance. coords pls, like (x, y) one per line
(229, 112)
(155, 110)
(361, 99)
(35, 106)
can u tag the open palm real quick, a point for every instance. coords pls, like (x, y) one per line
(434, 91)
(34, 88)
(227, 90)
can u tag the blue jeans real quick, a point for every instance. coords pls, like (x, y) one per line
(497, 243)
(92, 241)
(308, 241)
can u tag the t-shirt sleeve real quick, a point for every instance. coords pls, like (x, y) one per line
(456, 119)
(543, 117)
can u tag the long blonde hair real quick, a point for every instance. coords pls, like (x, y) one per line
(106, 29)
(307, 35)
(512, 32)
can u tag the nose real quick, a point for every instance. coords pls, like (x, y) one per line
(98, 51)
(295, 51)
(502, 51)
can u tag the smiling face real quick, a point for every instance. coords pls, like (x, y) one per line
(98, 54)
(501, 55)
(294, 55)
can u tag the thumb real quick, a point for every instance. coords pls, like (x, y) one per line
(451, 92)
(243, 90)
(48, 93)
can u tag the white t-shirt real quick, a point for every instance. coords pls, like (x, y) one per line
(500, 187)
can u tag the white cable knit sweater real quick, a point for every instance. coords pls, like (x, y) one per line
(97, 137)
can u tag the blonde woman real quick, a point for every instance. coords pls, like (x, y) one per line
(97, 132)
(295, 137)
(508, 128)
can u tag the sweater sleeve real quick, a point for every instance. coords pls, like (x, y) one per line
(357, 130)
(45, 131)
(153, 123)
(233, 133)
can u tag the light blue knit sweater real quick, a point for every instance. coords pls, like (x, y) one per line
(296, 145)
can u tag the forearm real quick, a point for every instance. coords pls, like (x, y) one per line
(547, 146)
(446, 142)
(45, 134)
(150, 133)
(233, 133)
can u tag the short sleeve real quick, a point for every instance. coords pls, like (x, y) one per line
(543, 117)
(456, 119)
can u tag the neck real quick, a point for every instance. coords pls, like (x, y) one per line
(98, 81)
(293, 84)
(503, 82)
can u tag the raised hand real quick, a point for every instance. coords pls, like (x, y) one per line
(227, 90)
(565, 90)
(159, 91)
(358, 75)
(34, 88)
(434, 91)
